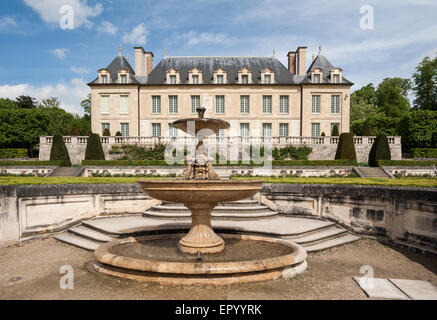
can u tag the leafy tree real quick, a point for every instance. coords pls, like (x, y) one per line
(73, 131)
(60, 120)
(346, 147)
(94, 149)
(82, 124)
(53, 102)
(366, 94)
(6, 103)
(380, 150)
(418, 128)
(425, 84)
(59, 151)
(379, 123)
(26, 102)
(86, 105)
(392, 96)
(367, 131)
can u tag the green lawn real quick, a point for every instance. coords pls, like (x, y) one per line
(407, 182)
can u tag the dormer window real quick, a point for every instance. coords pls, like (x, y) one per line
(316, 75)
(195, 76)
(105, 79)
(245, 76)
(123, 79)
(104, 76)
(336, 75)
(123, 76)
(172, 76)
(267, 76)
(220, 76)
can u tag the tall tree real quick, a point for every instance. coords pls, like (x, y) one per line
(26, 102)
(392, 96)
(86, 105)
(425, 84)
(52, 102)
(6, 103)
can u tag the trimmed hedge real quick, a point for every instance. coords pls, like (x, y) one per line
(275, 163)
(11, 153)
(407, 163)
(346, 147)
(380, 150)
(59, 151)
(94, 149)
(30, 163)
(424, 152)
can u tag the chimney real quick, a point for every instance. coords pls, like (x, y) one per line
(301, 60)
(149, 62)
(140, 67)
(292, 62)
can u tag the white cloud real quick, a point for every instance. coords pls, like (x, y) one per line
(71, 94)
(107, 27)
(49, 10)
(7, 22)
(59, 53)
(79, 70)
(194, 38)
(137, 36)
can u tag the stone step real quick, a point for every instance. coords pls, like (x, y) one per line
(84, 232)
(77, 241)
(344, 239)
(230, 210)
(185, 215)
(66, 172)
(370, 172)
(321, 236)
(242, 203)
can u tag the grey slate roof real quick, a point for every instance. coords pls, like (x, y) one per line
(118, 63)
(230, 64)
(322, 63)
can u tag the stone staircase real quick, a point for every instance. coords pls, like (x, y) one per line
(371, 172)
(66, 172)
(246, 217)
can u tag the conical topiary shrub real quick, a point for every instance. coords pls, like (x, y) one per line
(88, 133)
(335, 132)
(118, 134)
(380, 150)
(59, 151)
(73, 131)
(346, 147)
(367, 131)
(323, 134)
(106, 132)
(94, 150)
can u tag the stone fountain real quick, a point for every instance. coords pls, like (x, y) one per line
(201, 256)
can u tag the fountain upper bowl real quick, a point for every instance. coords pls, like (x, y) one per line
(200, 191)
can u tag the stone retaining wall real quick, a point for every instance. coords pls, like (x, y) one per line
(398, 213)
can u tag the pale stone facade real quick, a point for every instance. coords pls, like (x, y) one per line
(158, 96)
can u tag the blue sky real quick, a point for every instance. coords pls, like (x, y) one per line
(39, 58)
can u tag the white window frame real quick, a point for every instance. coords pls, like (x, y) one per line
(104, 78)
(316, 103)
(267, 104)
(220, 105)
(269, 77)
(245, 79)
(316, 78)
(314, 127)
(173, 79)
(244, 129)
(244, 104)
(220, 79)
(124, 125)
(283, 126)
(335, 105)
(195, 103)
(267, 128)
(105, 107)
(155, 127)
(124, 104)
(105, 125)
(195, 78)
(173, 104)
(156, 104)
(172, 131)
(283, 105)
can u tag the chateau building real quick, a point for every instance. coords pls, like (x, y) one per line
(256, 95)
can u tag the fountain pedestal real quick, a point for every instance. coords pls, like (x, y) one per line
(201, 237)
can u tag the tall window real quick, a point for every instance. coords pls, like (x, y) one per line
(156, 129)
(220, 104)
(173, 79)
(244, 129)
(333, 125)
(283, 104)
(123, 79)
(105, 126)
(195, 103)
(220, 134)
(245, 79)
(316, 104)
(172, 131)
(124, 129)
(104, 79)
(267, 104)
(104, 104)
(316, 78)
(156, 104)
(220, 79)
(335, 104)
(267, 79)
(267, 129)
(336, 78)
(283, 129)
(172, 104)
(124, 104)
(195, 79)
(315, 129)
(244, 104)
